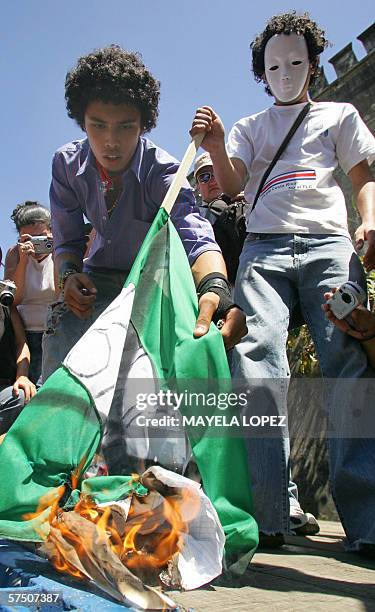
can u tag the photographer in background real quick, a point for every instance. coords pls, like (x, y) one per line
(15, 387)
(29, 264)
(226, 215)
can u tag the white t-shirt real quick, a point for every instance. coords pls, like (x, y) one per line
(300, 195)
(39, 292)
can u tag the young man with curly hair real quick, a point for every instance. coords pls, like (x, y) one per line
(117, 179)
(297, 249)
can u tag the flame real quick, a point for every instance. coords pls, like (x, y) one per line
(150, 543)
(59, 560)
(50, 500)
(152, 533)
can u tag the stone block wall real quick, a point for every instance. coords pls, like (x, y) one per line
(355, 83)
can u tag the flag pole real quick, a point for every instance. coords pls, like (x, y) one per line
(181, 174)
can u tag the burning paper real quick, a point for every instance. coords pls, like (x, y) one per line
(169, 537)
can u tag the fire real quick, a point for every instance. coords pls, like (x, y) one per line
(59, 560)
(152, 538)
(144, 541)
(50, 500)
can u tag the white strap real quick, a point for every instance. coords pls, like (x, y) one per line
(181, 174)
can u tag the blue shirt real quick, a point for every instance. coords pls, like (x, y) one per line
(76, 191)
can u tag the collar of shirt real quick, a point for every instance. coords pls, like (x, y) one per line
(90, 162)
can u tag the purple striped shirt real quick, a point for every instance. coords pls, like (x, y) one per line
(76, 192)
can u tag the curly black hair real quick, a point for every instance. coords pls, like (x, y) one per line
(112, 75)
(30, 213)
(286, 24)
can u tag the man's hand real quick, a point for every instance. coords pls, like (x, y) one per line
(80, 294)
(362, 234)
(234, 327)
(207, 121)
(360, 324)
(26, 385)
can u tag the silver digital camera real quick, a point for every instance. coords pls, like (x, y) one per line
(7, 292)
(42, 245)
(346, 298)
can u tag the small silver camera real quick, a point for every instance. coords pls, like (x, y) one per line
(346, 298)
(42, 245)
(7, 292)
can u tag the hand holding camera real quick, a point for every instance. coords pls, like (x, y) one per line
(35, 245)
(360, 322)
(346, 298)
(25, 246)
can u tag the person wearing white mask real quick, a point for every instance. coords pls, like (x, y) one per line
(297, 249)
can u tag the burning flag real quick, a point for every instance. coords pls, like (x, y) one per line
(145, 334)
(163, 532)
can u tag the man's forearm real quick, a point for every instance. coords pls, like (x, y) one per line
(65, 258)
(364, 192)
(366, 203)
(209, 261)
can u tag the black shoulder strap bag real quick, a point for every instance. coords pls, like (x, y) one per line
(281, 150)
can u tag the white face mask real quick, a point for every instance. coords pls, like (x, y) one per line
(287, 66)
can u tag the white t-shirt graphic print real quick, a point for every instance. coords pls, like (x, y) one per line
(301, 194)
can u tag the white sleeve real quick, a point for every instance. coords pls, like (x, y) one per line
(355, 142)
(239, 144)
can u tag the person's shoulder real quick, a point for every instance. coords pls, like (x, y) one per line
(335, 108)
(155, 160)
(12, 259)
(157, 154)
(12, 250)
(72, 150)
(250, 120)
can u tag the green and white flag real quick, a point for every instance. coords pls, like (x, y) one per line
(146, 332)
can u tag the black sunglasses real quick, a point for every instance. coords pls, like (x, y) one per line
(205, 177)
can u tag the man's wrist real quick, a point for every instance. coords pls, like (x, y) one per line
(68, 268)
(216, 282)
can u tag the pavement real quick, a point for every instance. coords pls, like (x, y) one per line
(308, 574)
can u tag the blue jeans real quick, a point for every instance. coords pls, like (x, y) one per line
(64, 329)
(276, 273)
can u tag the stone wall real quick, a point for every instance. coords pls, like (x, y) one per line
(355, 83)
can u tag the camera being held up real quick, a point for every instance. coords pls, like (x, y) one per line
(347, 297)
(42, 245)
(7, 292)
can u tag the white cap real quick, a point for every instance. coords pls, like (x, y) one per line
(202, 161)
